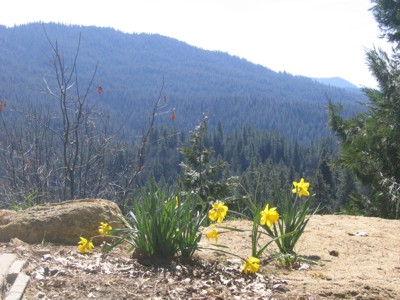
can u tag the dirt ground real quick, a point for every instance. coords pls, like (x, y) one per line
(348, 258)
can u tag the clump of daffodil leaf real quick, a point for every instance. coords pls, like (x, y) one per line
(162, 225)
(295, 214)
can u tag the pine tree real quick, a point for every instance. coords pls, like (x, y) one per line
(370, 141)
(201, 172)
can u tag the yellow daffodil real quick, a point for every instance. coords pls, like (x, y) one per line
(218, 211)
(212, 234)
(104, 228)
(301, 188)
(85, 246)
(269, 216)
(251, 265)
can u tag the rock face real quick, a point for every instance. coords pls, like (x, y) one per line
(59, 223)
(6, 216)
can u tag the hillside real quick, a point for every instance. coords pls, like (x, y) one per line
(337, 82)
(133, 67)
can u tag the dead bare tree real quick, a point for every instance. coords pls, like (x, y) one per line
(66, 151)
(25, 156)
(124, 184)
(74, 110)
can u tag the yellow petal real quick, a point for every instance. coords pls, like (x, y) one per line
(251, 265)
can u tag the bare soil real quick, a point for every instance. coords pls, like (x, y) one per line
(346, 257)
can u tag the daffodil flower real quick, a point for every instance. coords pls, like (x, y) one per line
(218, 212)
(212, 234)
(251, 265)
(104, 228)
(85, 246)
(301, 188)
(269, 216)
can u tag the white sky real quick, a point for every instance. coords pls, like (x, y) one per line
(315, 38)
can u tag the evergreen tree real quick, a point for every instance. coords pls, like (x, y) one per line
(346, 186)
(386, 13)
(370, 141)
(323, 185)
(201, 173)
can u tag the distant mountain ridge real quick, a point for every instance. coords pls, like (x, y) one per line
(133, 67)
(337, 81)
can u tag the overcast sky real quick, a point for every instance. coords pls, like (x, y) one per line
(315, 38)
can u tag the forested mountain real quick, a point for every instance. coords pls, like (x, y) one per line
(132, 68)
(337, 81)
(75, 124)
